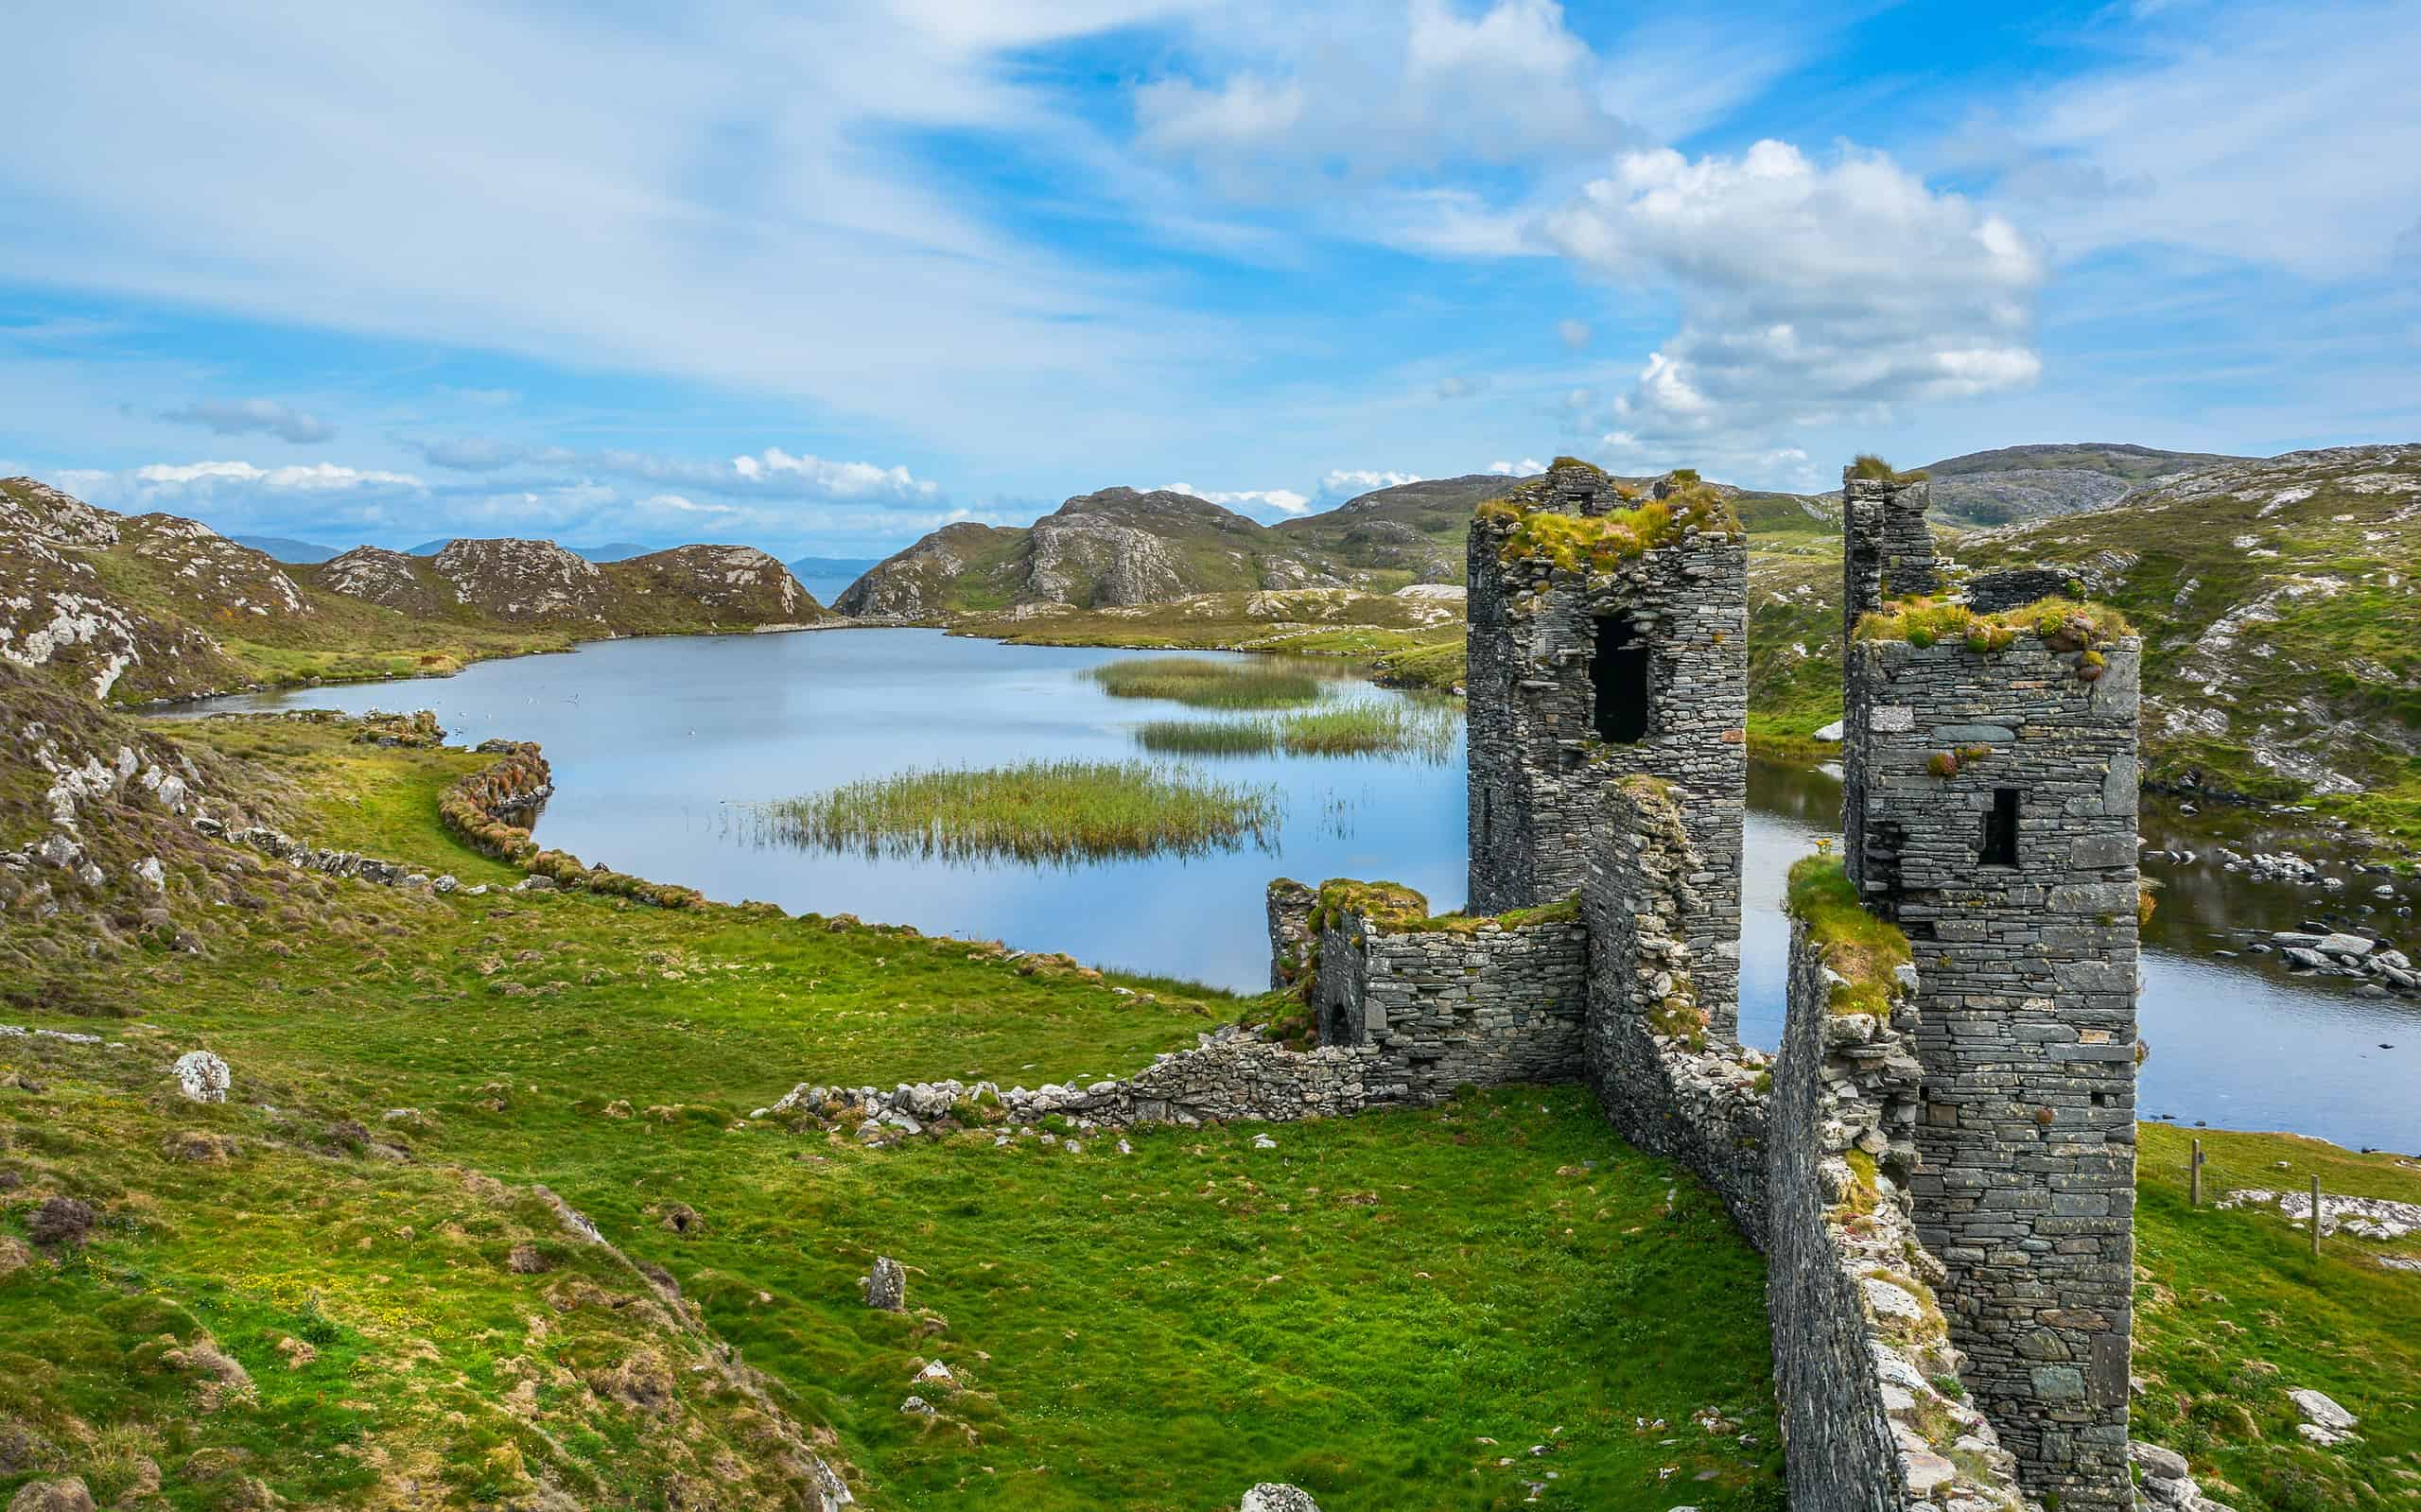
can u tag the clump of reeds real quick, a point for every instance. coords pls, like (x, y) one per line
(1207, 737)
(1420, 731)
(1060, 812)
(1201, 682)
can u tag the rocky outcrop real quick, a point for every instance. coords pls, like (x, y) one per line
(737, 583)
(388, 578)
(516, 579)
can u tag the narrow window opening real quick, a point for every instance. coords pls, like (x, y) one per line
(2101, 1100)
(2000, 830)
(1619, 675)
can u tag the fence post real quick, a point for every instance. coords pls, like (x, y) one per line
(2315, 1217)
(2197, 1168)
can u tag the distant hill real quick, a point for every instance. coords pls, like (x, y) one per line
(833, 567)
(284, 548)
(2014, 483)
(610, 551)
(1115, 548)
(1414, 527)
(149, 606)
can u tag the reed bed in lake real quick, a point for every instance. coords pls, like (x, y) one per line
(1062, 812)
(1418, 730)
(1203, 683)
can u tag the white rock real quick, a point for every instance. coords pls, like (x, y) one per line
(2317, 1408)
(1270, 1496)
(937, 1372)
(202, 1077)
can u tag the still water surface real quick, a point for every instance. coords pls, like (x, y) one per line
(661, 747)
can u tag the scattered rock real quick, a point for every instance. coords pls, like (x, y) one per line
(938, 1373)
(60, 1220)
(66, 1494)
(201, 1076)
(527, 1259)
(885, 1287)
(1270, 1496)
(920, 1407)
(201, 1146)
(2317, 1408)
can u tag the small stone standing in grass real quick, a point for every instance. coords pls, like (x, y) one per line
(202, 1077)
(886, 1286)
(1270, 1496)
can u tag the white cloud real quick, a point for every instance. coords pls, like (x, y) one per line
(770, 472)
(245, 417)
(1572, 334)
(314, 477)
(1261, 503)
(1808, 292)
(1525, 468)
(1362, 90)
(1455, 386)
(2276, 134)
(1345, 482)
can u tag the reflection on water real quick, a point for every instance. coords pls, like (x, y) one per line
(657, 743)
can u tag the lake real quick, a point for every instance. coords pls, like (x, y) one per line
(662, 747)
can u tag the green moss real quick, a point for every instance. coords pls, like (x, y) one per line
(1576, 543)
(1860, 947)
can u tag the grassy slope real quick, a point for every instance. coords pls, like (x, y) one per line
(1355, 1310)
(2231, 1312)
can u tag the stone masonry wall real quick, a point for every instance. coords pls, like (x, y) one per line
(1887, 548)
(1665, 1078)
(1443, 1008)
(1290, 946)
(1860, 1343)
(2027, 1026)
(1540, 770)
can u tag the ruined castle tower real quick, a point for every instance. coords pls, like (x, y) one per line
(1888, 552)
(1609, 640)
(1990, 805)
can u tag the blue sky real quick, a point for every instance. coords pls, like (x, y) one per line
(820, 281)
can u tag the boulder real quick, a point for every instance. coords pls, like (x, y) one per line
(66, 1494)
(2317, 1408)
(886, 1286)
(1270, 1496)
(202, 1077)
(60, 1220)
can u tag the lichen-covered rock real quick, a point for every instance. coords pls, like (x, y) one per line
(1271, 1496)
(885, 1287)
(66, 1494)
(202, 1077)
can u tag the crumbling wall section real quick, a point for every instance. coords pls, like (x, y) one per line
(1443, 1005)
(1665, 1078)
(1862, 1354)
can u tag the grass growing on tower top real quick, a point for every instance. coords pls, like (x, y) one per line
(1060, 812)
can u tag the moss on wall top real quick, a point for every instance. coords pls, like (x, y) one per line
(1863, 949)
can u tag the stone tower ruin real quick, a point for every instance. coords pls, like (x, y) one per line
(1601, 654)
(1887, 549)
(1990, 797)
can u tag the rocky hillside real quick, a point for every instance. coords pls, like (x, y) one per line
(152, 606)
(2011, 484)
(1114, 548)
(2281, 604)
(1119, 548)
(1414, 528)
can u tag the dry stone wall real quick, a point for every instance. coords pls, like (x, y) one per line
(1442, 1008)
(1668, 1078)
(1861, 1349)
